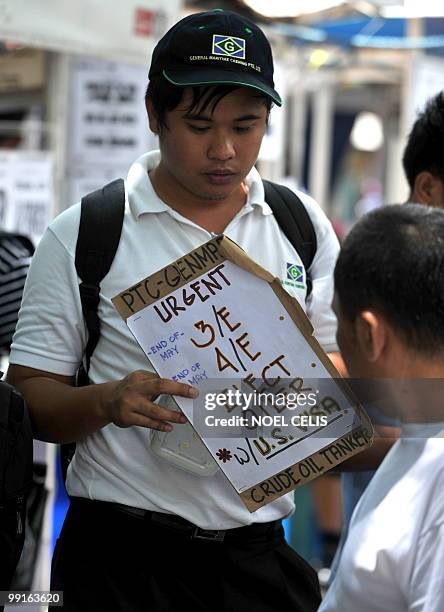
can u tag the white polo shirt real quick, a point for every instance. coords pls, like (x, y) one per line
(116, 464)
(393, 558)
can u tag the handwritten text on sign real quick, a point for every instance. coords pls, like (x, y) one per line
(218, 321)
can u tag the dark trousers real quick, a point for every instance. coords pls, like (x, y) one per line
(108, 560)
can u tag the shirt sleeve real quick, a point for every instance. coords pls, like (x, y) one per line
(50, 333)
(426, 585)
(319, 303)
(365, 580)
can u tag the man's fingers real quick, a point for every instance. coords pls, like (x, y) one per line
(159, 386)
(140, 420)
(134, 402)
(160, 413)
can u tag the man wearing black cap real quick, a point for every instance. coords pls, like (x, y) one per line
(141, 533)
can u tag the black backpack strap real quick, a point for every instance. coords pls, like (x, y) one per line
(295, 222)
(101, 221)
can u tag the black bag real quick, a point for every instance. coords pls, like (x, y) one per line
(15, 479)
(96, 249)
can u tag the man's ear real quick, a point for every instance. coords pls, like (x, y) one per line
(152, 116)
(428, 189)
(371, 334)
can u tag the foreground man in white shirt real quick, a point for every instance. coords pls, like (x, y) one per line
(390, 305)
(142, 534)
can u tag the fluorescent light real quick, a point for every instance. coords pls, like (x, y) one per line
(367, 133)
(318, 58)
(290, 8)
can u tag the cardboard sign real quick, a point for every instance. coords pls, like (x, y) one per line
(217, 320)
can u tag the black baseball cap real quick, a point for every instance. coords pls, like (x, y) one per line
(213, 48)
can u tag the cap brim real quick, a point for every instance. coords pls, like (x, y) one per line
(213, 76)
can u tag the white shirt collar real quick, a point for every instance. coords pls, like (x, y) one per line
(143, 199)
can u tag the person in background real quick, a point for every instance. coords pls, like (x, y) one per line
(423, 163)
(423, 158)
(390, 307)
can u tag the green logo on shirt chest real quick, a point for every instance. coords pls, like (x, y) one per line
(295, 276)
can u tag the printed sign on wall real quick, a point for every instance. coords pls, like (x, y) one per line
(108, 125)
(26, 192)
(108, 121)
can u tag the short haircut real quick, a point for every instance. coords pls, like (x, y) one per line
(392, 261)
(425, 150)
(166, 97)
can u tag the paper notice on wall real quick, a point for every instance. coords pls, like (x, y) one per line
(272, 410)
(26, 192)
(108, 123)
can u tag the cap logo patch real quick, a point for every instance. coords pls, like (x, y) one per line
(230, 46)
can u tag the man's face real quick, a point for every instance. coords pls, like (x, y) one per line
(208, 154)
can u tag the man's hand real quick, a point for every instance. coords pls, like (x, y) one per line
(130, 401)
(63, 413)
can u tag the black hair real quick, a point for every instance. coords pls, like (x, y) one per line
(392, 261)
(166, 97)
(424, 150)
